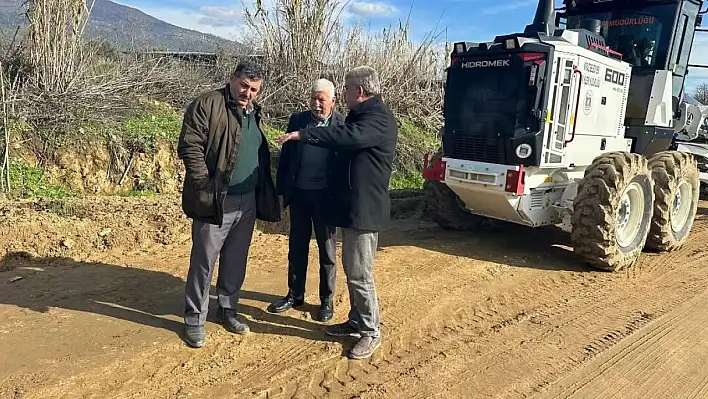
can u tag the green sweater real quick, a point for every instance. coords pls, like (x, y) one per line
(245, 175)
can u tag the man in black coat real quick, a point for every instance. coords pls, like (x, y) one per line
(359, 201)
(301, 183)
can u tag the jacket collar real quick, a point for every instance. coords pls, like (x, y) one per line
(230, 102)
(334, 117)
(314, 118)
(366, 105)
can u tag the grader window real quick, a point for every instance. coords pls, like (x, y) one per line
(642, 35)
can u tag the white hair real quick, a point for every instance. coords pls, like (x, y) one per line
(366, 78)
(323, 85)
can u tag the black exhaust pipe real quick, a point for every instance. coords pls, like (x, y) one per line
(593, 25)
(543, 20)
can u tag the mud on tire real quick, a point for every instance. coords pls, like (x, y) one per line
(443, 206)
(676, 191)
(613, 210)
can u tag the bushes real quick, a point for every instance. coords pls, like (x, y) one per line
(92, 89)
(306, 39)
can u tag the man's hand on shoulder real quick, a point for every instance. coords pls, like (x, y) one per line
(288, 137)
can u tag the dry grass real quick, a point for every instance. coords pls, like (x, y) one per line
(54, 42)
(5, 146)
(302, 40)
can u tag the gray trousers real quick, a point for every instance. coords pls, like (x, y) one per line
(230, 243)
(358, 253)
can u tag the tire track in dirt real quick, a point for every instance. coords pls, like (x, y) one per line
(621, 309)
(601, 336)
(217, 363)
(298, 357)
(451, 317)
(649, 361)
(401, 349)
(337, 373)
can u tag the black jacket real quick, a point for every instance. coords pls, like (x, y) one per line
(365, 146)
(289, 162)
(208, 145)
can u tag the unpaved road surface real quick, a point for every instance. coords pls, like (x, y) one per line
(91, 297)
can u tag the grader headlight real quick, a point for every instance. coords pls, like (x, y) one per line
(510, 44)
(523, 150)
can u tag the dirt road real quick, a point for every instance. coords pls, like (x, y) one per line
(506, 312)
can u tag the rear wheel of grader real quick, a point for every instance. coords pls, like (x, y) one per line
(445, 208)
(676, 191)
(612, 211)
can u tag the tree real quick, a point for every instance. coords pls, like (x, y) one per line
(701, 93)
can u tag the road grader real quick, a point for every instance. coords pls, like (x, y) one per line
(581, 121)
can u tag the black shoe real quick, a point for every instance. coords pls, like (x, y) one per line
(284, 304)
(194, 336)
(345, 329)
(232, 321)
(326, 311)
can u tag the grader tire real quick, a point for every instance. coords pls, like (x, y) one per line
(444, 207)
(612, 211)
(676, 191)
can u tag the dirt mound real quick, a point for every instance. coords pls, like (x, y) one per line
(82, 227)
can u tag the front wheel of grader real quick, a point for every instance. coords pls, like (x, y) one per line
(612, 211)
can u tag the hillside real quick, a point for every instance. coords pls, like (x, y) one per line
(127, 27)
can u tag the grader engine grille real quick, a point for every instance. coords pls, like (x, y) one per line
(493, 100)
(476, 148)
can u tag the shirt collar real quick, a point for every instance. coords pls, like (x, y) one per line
(325, 120)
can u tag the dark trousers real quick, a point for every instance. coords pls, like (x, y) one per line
(306, 210)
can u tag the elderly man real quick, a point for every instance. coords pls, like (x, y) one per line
(359, 202)
(301, 183)
(228, 185)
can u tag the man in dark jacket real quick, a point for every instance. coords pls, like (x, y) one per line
(301, 183)
(359, 202)
(228, 185)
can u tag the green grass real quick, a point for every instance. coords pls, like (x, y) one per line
(141, 193)
(145, 129)
(271, 134)
(414, 141)
(28, 181)
(156, 122)
(160, 122)
(406, 179)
